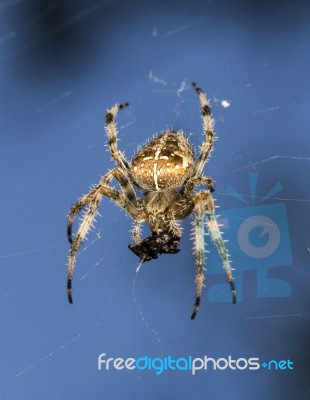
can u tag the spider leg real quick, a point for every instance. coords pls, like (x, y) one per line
(116, 154)
(204, 212)
(81, 203)
(174, 226)
(208, 123)
(125, 185)
(199, 233)
(189, 185)
(92, 200)
(136, 231)
(111, 131)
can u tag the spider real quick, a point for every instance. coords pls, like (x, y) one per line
(166, 173)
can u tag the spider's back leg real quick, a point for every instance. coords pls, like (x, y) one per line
(204, 212)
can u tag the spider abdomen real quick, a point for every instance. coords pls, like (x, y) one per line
(164, 163)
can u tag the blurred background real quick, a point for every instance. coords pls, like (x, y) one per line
(63, 63)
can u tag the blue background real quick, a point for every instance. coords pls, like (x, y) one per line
(63, 63)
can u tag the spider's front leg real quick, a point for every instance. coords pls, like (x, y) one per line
(127, 202)
(204, 214)
(208, 125)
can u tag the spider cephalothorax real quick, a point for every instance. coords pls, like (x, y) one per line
(165, 172)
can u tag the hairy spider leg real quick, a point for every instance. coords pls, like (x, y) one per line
(117, 155)
(208, 124)
(125, 185)
(199, 180)
(204, 212)
(136, 231)
(199, 246)
(111, 131)
(81, 203)
(93, 200)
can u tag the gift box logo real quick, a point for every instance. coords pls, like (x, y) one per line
(259, 239)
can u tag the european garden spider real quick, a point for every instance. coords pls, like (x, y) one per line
(165, 172)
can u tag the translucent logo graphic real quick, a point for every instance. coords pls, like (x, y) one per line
(258, 240)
